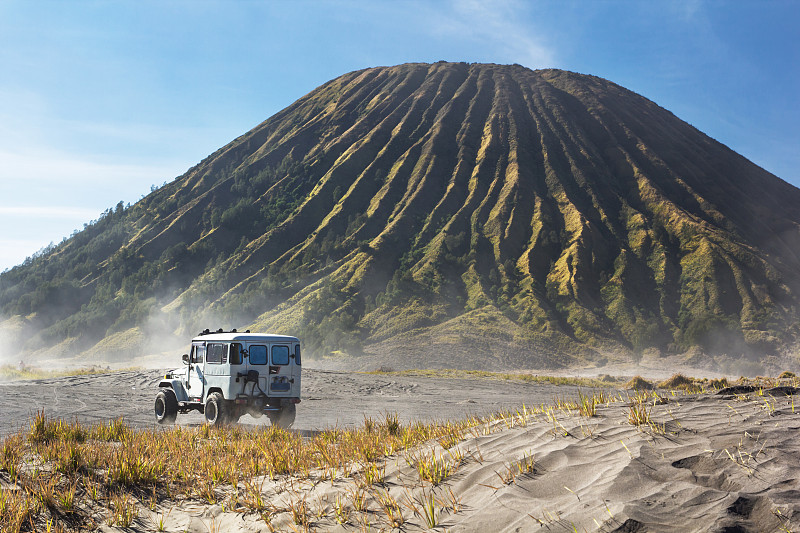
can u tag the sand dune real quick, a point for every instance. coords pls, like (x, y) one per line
(704, 462)
(721, 464)
(709, 463)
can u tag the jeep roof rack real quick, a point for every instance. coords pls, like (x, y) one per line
(220, 330)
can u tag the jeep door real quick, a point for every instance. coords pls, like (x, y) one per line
(296, 369)
(281, 376)
(218, 372)
(257, 360)
(196, 375)
(274, 366)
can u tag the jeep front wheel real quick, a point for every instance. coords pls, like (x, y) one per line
(285, 417)
(215, 409)
(166, 407)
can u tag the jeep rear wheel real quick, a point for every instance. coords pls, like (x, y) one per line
(215, 410)
(285, 417)
(166, 407)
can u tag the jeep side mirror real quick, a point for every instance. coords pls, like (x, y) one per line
(185, 358)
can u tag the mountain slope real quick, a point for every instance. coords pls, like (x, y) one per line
(449, 214)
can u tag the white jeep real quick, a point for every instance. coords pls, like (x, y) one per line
(228, 374)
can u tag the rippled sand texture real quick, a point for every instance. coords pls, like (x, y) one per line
(721, 464)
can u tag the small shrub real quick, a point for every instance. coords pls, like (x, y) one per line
(718, 383)
(678, 381)
(639, 383)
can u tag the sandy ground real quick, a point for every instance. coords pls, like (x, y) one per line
(329, 398)
(713, 464)
(708, 463)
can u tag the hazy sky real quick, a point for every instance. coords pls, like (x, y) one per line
(100, 100)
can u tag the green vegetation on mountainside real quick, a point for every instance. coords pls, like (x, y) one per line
(519, 212)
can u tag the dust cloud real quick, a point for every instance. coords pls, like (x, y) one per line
(4, 341)
(9, 341)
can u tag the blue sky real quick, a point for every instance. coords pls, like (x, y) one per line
(100, 100)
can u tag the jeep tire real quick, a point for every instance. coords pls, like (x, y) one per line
(166, 407)
(216, 410)
(285, 417)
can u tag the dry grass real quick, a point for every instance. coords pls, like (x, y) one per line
(431, 468)
(639, 413)
(639, 383)
(640, 408)
(717, 383)
(12, 372)
(679, 382)
(603, 382)
(587, 405)
(64, 475)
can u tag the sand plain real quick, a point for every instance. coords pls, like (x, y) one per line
(329, 398)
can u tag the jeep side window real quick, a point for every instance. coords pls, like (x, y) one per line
(258, 355)
(280, 355)
(236, 353)
(217, 353)
(297, 354)
(197, 353)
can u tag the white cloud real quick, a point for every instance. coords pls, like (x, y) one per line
(503, 26)
(45, 195)
(40, 145)
(688, 9)
(48, 166)
(64, 212)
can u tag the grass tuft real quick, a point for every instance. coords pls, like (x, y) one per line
(432, 468)
(639, 412)
(587, 405)
(639, 383)
(606, 380)
(12, 373)
(679, 381)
